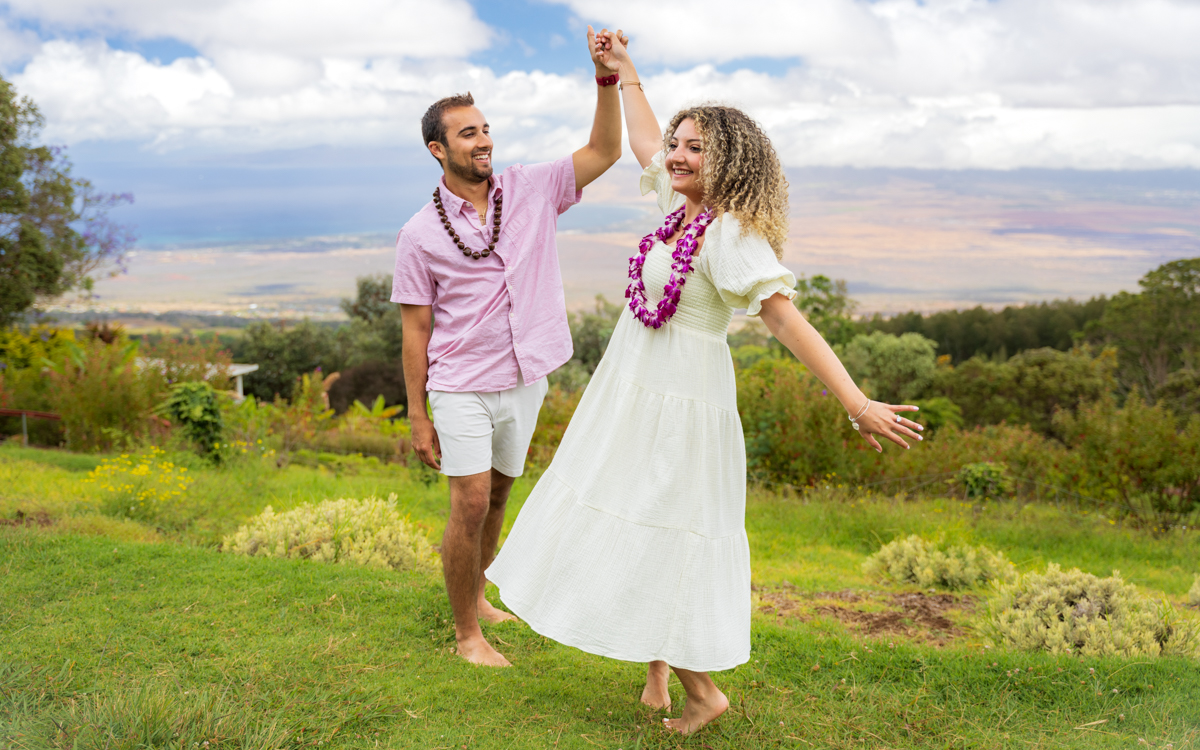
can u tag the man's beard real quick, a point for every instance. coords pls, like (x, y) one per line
(471, 171)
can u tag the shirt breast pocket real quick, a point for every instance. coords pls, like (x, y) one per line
(514, 236)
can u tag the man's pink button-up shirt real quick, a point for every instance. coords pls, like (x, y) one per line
(496, 315)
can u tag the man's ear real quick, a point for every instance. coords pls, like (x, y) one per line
(437, 149)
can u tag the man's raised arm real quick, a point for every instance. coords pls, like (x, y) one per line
(604, 146)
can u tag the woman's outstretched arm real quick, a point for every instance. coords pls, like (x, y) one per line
(645, 138)
(786, 323)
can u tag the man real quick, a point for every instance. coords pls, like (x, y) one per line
(484, 322)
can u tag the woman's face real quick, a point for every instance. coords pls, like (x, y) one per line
(685, 157)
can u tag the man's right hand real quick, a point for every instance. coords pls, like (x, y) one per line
(425, 443)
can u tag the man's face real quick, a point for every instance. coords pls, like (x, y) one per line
(468, 153)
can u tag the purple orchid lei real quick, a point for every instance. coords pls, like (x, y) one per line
(681, 266)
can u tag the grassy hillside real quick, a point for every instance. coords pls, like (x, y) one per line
(112, 643)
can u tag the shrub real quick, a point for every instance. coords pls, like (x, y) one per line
(140, 485)
(896, 369)
(1181, 393)
(366, 383)
(795, 432)
(1029, 388)
(985, 480)
(1028, 455)
(1079, 613)
(105, 399)
(283, 354)
(915, 560)
(1136, 458)
(364, 532)
(937, 412)
(193, 406)
(1194, 593)
(184, 358)
(557, 409)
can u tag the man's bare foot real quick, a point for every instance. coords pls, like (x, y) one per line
(489, 613)
(697, 713)
(656, 695)
(479, 651)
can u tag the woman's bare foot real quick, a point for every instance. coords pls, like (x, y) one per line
(478, 651)
(698, 712)
(656, 695)
(489, 613)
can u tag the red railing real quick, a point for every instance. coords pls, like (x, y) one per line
(25, 414)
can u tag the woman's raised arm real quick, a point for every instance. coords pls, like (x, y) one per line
(786, 323)
(645, 137)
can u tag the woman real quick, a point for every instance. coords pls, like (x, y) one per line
(633, 543)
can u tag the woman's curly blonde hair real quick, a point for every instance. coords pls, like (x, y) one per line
(741, 172)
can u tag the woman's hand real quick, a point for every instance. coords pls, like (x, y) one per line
(885, 420)
(608, 49)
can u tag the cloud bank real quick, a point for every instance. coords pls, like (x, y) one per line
(1083, 84)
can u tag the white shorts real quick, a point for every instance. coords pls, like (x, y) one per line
(481, 431)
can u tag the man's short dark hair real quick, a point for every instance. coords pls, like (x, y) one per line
(433, 126)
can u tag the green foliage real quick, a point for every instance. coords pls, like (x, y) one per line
(283, 353)
(591, 331)
(893, 369)
(1157, 331)
(794, 431)
(1135, 457)
(937, 412)
(1079, 613)
(43, 252)
(1181, 393)
(979, 332)
(1029, 388)
(104, 396)
(367, 532)
(915, 560)
(827, 305)
(590, 334)
(23, 349)
(553, 419)
(193, 406)
(985, 480)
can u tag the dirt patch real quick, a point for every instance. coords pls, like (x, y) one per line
(916, 615)
(40, 518)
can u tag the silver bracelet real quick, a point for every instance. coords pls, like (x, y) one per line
(862, 411)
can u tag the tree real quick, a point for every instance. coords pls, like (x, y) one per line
(828, 307)
(1157, 331)
(55, 234)
(895, 369)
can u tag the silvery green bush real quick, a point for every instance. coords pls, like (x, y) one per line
(925, 563)
(367, 532)
(1078, 613)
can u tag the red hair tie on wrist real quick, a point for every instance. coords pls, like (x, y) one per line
(607, 80)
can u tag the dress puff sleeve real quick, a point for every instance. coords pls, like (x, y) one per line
(742, 266)
(656, 178)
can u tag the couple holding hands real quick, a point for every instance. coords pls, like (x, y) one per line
(633, 543)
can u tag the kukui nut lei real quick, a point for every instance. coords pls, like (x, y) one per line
(477, 254)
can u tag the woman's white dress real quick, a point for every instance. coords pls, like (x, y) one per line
(633, 543)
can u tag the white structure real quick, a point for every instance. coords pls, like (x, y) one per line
(236, 372)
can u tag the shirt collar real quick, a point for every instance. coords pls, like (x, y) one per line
(454, 204)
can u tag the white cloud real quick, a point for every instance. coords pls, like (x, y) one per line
(1030, 52)
(1094, 84)
(309, 29)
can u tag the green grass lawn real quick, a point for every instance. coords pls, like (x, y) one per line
(136, 635)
